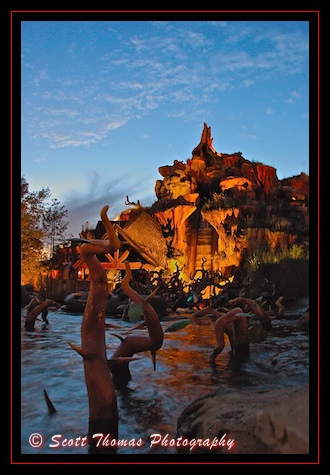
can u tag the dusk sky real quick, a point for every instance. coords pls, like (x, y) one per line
(104, 103)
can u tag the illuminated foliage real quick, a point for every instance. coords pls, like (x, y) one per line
(36, 216)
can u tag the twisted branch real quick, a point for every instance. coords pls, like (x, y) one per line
(133, 344)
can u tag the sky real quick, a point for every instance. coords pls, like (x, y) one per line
(104, 104)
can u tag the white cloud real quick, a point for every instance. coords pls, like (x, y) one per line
(248, 82)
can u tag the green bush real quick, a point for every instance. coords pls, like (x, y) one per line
(291, 277)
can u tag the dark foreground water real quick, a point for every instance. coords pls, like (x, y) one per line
(153, 400)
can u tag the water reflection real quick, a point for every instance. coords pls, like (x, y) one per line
(151, 402)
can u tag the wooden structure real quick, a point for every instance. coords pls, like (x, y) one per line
(144, 250)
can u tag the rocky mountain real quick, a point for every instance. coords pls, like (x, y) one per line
(216, 209)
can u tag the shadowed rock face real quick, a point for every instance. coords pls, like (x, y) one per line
(249, 422)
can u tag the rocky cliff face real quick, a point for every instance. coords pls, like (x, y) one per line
(216, 208)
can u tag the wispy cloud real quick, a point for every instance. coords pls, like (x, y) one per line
(177, 68)
(85, 206)
(106, 94)
(294, 96)
(270, 111)
(248, 136)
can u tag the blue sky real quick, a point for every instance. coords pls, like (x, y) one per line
(104, 103)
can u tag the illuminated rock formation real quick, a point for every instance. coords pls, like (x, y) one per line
(236, 203)
(214, 209)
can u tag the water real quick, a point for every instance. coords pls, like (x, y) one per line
(153, 400)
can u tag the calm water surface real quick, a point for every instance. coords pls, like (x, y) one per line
(152, 401)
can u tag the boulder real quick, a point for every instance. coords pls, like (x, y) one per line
(248, 422)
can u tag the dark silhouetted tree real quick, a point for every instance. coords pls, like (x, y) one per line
(53, 225)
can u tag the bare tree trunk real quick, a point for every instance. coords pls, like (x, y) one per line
(103, 410)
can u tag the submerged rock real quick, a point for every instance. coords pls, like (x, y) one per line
(257, 333)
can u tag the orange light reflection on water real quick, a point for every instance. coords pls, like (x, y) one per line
(190, 362)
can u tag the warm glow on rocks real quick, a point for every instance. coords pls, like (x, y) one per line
(213, 208)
